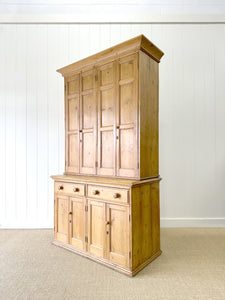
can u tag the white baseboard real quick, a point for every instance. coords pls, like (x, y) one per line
(192, 222)
(164, 223)
(26, 225)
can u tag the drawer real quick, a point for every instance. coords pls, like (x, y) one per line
(108, 193)
(73, 189)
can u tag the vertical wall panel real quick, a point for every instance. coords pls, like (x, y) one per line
(3, 53)
(32, 51)
(10, 125)
(192, 122)
(20, 87)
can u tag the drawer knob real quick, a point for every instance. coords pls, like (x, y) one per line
(75, 189)
(60, 187)
(116, 195)
(95, 192)
(70, 213)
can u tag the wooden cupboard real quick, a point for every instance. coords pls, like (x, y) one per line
(115, 222)
(111, 103)
(107, 202)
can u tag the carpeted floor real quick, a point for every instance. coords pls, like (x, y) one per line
(192, 266)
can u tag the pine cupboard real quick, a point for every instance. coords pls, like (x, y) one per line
(111, 103)
(115, 222)
(106, 205)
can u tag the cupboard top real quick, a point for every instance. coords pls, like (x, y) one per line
(138, 43)
(103, 180)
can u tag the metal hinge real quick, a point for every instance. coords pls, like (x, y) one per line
(138, 165)
(96, 164)
(96, 77)
(65, 87)
(86, 239)
(129, 218)
(129, 255)
(86, 208)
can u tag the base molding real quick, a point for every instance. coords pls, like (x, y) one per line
(106, 262)
(192, 222)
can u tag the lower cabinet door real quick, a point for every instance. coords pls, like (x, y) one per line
(61, 228)
(77, 223)
(96, 227)
(117, 234)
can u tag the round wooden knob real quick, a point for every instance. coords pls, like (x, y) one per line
(107, 223)
(60, 187)
(116, 195)
(75, 189)
(95, 192)
(70, 213)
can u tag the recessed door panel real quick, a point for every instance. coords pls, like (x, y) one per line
(77, 227)
(106, 119)
(107, 150)
(61, 218)
(88, 144)
(118, 234)
(88, 123)
(73, 152)
(107, 107)
(73, 113)
(127, 149)
(96, 227)
(127, 104)
(88, 111)
(128, 68)
(127, 118)
(73, 86)
(72, 107)
(87, 81)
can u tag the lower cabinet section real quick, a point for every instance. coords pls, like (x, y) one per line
(122, 234)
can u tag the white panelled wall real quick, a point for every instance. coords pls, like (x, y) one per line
(192, 116)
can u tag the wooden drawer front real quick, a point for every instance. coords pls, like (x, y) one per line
(65, 188)
(108, 194)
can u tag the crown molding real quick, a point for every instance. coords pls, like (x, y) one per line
(109, 19)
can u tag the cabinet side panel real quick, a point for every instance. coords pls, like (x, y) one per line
(148, 117)
(145, 223)
(155, 217)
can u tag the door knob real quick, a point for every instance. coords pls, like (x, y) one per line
(116, 195)
(107, 223)
(95, 192)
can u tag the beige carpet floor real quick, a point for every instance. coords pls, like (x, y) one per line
(192, 266)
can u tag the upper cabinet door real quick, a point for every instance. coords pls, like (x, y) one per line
(88, 122)
(127, 117)
(106, 119)
(72, 108)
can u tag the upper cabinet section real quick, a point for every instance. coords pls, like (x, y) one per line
(111, 112)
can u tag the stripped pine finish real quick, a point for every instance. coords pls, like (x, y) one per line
(124, 235)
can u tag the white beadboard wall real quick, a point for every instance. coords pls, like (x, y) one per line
(192, 117)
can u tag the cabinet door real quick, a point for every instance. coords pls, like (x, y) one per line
(127, 117)
(106, 119)
(61, 227)
(88, 123)
(117, 234)
(96, 227)
(77, 222)
(72, 107)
